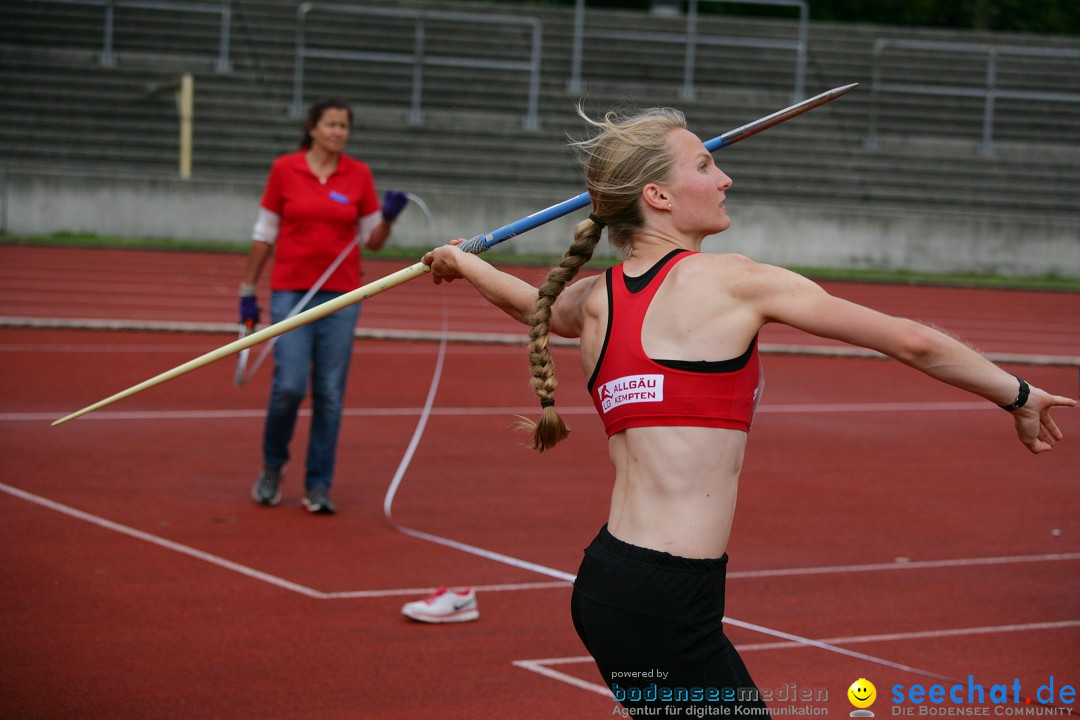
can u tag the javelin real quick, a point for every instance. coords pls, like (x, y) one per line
(480, 243)
(477, 244)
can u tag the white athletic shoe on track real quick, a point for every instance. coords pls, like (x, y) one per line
(444, 606)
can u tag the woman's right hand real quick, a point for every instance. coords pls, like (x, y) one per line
(444, 262)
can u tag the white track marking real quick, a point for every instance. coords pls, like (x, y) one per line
(245, 413)
(161, 542)
(823, 645)
(504, 338)
(543, 665)
(243, 569)
(141, 349)
(505, 587)
(563, 582)
(921, 635)
(917, 565)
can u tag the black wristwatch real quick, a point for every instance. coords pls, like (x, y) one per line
(1021, 397)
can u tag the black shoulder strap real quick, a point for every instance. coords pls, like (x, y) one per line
(639, 283)
(608, 277)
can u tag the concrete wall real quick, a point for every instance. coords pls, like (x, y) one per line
(786, 234)
(864, 237)
(126, 206)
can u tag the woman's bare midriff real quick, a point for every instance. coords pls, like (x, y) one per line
(675, 488)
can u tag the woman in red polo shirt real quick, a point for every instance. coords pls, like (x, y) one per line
(318, 203)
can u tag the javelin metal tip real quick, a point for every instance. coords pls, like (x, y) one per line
(733, 136)
(838, 91)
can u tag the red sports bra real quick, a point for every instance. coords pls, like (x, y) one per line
(630, 389)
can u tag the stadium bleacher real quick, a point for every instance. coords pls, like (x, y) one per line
(65, 113)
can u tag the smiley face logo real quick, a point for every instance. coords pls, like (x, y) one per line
(862, 693)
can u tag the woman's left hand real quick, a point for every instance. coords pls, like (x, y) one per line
(1034, 426)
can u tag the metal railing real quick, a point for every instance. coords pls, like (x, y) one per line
(690, 39)
(107, 56)
(418, 58)
(989, 91)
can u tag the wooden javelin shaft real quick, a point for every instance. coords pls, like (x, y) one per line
(331, 306)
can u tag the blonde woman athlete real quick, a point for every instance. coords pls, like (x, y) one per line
(668, 340)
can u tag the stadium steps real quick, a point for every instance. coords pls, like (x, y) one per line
(67, 110)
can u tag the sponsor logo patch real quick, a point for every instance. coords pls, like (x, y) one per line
(631, 389)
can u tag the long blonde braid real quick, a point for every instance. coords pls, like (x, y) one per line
(628, 153)
(551, 428)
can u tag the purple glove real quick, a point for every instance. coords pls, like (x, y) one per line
(249, 310)
(393, 203)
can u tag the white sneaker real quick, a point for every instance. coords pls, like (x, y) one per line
(444, 606)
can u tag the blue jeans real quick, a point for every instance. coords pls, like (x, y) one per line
(320, 350)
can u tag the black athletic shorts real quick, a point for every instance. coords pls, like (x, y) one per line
(653, 623)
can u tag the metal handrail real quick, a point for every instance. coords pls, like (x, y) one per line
(418, 58)
(989, 91)
(690, 39)
(108, 58)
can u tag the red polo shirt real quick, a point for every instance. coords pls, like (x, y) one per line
(318, 219)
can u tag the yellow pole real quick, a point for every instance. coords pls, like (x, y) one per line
(185, 101)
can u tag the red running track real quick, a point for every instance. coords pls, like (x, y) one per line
(880, 513)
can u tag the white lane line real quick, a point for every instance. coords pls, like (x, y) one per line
(779, 572)
(504, 587)
(918, 565)
(921, 635)
(823, 645)
(504, 338)
(244, 569)
(244, 413)
(543, 665)
(161, 542)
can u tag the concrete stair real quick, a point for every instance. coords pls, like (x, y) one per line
(61, 109)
